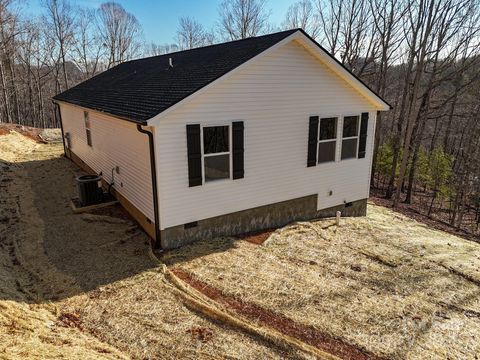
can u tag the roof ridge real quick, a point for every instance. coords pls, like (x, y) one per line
(217, 44)
(138, 90)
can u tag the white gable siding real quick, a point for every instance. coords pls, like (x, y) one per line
(115, 143)
(274, 96)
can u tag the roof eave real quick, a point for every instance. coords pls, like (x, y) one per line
(123, 118)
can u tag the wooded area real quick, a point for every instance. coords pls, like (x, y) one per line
(422, 56)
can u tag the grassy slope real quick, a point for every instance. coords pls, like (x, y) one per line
(84, 286)
(29, 327)
(385, 283)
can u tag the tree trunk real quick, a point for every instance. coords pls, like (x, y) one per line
(375, 148)
(6, 101)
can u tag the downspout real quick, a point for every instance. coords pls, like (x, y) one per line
(153, 169)
(57, 111)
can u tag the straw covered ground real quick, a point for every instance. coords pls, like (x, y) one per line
(383, 283)
(84, 286)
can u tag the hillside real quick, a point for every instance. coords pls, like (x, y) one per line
(87, 286)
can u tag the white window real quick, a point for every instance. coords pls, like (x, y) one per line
(327, 142)
(87, 128)
(350, 137)
(216, 153)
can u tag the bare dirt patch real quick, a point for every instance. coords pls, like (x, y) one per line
(28, 131)
(287, 326)
(67, 319)
(256, 237)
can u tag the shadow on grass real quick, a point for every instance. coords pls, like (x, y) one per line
(65, 253)
(198, 249)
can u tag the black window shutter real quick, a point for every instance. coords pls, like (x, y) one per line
(194, 155)
(312, 141)
(363, 136)
(237, 150)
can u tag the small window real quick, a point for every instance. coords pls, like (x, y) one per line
(350, 137)
(216, 153)
(87, 128)
(327, 140)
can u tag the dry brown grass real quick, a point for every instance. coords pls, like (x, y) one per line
(384, 282)
(28, 326)
(144, 318)
(32, 332)
(84, 286)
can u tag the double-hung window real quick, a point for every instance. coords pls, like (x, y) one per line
(350, 137)
(87, 128)
(323, 134)
(327, 142)
(216, 153)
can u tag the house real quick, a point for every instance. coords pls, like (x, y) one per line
(228, 138)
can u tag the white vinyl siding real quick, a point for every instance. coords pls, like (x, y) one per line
(274, 96)
(115, 143)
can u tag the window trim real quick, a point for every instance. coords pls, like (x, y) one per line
(359, 119)
(88, 130)
(320, 117)
(229, 152)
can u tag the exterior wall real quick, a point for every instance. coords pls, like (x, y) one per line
(264, 217)
(274, 96)
(114, 143)
(143, 221)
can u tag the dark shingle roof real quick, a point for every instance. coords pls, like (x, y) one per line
(140, 89)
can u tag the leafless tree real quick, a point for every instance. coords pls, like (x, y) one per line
(192, 34)
(9, 31)
(331, 18)
(60, 20)
(240, 19)
(348, 32)
(302, 15)
(153, 49)
(435, 24)
(386, 17)
(120, 32)
(422, 56)
(87, 48)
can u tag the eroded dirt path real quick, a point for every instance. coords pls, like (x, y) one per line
(84, 286)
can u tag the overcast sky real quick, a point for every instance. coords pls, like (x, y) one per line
(159, 18)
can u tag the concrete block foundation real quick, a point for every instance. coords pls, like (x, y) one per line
(256, 219)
